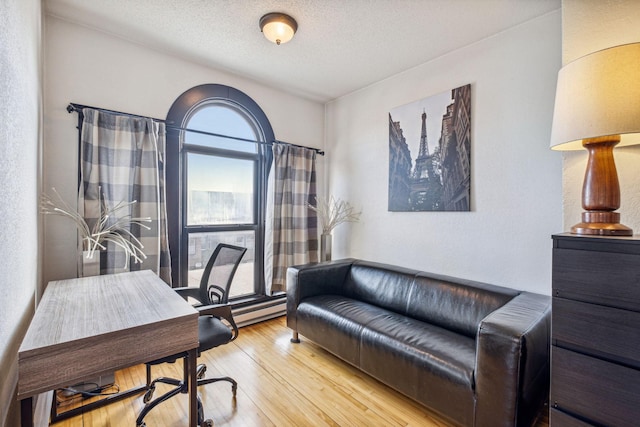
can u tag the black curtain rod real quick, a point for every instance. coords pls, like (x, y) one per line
(72, 107)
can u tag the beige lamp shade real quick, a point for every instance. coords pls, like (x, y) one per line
(598, 95)
(278, 28)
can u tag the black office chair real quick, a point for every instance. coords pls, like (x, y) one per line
(217, 276)
(212, 332)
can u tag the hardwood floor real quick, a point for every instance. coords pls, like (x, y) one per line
(279, 384)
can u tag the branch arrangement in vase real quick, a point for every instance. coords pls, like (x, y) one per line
(105, 228)
(333, 212)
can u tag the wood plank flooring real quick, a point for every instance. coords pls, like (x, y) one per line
(279, 384)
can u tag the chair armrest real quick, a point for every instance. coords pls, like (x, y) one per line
(314, 279)
(512, 361)
(189, 291)
(217, 292)
(222, 311)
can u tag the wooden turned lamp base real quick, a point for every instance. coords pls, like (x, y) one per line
(601, 224)
(601, 191)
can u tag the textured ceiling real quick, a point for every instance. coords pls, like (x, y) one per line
(341, 45)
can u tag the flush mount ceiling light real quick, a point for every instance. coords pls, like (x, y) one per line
(278, 27)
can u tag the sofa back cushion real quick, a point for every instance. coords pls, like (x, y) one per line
(455, 304)
(383, 285)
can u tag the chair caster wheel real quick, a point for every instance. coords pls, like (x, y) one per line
(148, 395)
(142, 424)
(207, 423)
(201, 372)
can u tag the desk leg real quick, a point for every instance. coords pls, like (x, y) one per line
(193, 388)
(26, 412)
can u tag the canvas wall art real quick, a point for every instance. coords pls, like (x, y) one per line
(430, 153)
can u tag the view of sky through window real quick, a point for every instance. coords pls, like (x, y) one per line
(222, 120)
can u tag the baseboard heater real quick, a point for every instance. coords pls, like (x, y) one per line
(248, 315)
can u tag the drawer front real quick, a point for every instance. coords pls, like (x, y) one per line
(603, 392)
(611, 279)
(560, 419)
(606, 332)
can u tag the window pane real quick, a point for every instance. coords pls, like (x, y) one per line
(204, 244)
(220, 190)
(222, 120)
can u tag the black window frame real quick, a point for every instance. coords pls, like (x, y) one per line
(180, 112)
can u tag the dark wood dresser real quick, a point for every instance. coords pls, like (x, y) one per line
(595, 332)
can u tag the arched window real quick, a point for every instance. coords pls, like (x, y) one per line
(216, 183)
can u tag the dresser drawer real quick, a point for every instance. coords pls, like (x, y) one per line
(605, 332)
(611, 279)
(560, 419)
(603, 392)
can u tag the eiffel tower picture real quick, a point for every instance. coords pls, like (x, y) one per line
(438, 178)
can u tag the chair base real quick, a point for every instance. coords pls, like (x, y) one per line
(201, 421)
(180, 387)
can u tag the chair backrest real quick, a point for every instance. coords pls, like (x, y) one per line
(218, 274)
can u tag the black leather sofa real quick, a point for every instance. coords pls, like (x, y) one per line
(475, 353)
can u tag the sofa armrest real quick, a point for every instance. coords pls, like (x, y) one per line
(512, 361)
(314, 279)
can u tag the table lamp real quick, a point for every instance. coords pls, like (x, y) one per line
(598, 107)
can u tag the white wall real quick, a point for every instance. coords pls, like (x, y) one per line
(588, 26)
(20, 130)
(516, 179)
(92, 68)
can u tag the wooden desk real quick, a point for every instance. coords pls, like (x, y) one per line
(95, 325)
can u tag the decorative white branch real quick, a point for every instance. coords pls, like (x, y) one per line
(94, 238)
(333, 212)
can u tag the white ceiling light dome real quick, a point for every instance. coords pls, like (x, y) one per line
(278, 28)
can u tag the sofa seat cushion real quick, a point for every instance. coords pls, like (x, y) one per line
(336, 323)
(430, 364)
(424, 361)
(418, 345)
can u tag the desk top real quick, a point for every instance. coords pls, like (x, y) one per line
(89, 326)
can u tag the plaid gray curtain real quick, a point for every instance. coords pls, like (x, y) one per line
(123, 159)
(291, 231)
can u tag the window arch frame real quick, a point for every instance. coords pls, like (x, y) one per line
(181, 111)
